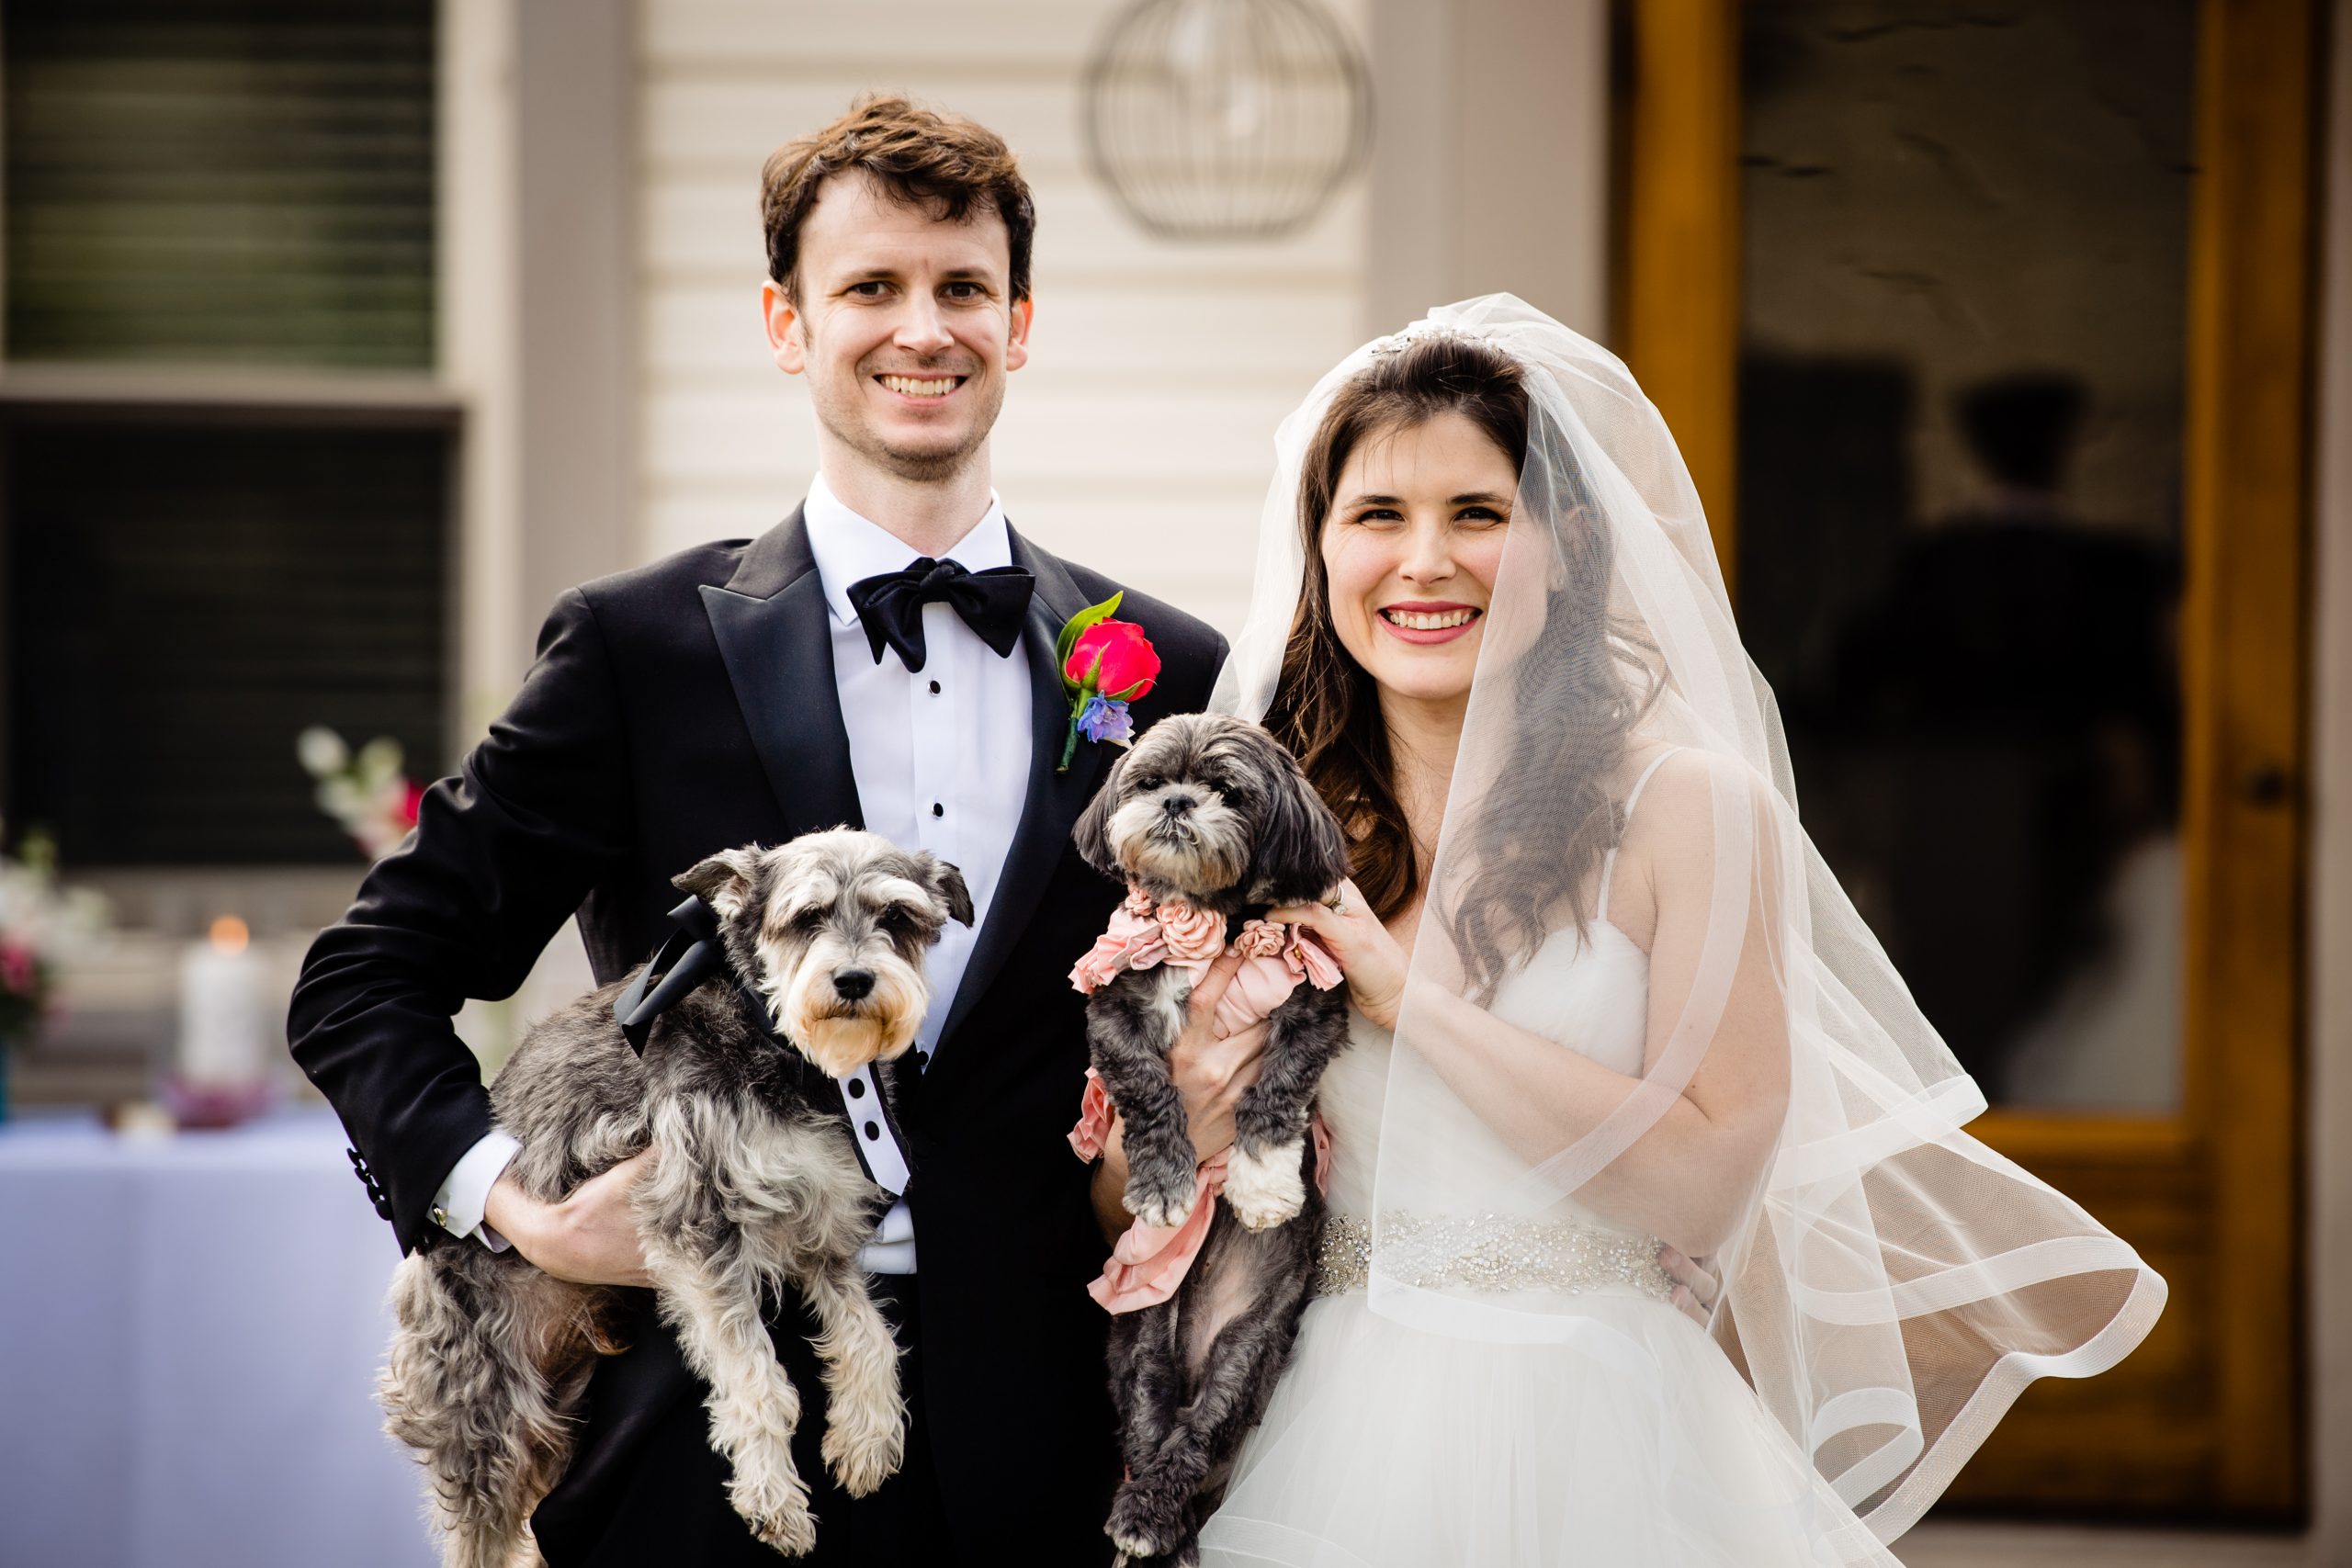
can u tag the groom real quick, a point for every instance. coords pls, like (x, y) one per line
(824, 673)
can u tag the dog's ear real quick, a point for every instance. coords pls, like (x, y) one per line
(723, 881)
(1300, 854)
(947, 886)
(1092, 833)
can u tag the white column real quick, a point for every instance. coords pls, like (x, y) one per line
(481, 349)
(2330, 1128)
(1490, 169)
(539, 316)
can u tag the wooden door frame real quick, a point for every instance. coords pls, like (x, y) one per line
(2231, 1161)
(1675, 282)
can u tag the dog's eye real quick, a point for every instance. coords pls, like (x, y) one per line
(809, 919)
(1149, 781)
(899, 919)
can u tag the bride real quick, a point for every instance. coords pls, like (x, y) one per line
(1613, 1013)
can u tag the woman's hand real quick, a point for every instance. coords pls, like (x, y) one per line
(1368, 956)
(1211, 1072)
(1696, 1285)
(590, 1238)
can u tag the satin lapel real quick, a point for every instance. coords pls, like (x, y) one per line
(774, 636)
(1051, 808)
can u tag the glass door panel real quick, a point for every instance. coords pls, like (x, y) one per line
(1963, 297)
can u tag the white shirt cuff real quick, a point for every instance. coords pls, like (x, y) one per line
(457, 1207)
(892, 1250)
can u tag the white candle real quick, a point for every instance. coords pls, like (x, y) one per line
(222, 1028)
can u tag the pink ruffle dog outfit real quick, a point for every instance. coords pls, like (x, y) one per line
(1149, 1261)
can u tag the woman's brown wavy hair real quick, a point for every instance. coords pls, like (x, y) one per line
(1554, 810)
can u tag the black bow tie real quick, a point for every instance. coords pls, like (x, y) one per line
(990, 601)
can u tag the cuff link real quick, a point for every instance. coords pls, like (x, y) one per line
(440, 1216)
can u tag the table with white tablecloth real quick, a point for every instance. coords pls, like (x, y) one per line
(190, 1332)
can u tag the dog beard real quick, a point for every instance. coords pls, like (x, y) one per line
(843, 1036)
(840, 1046)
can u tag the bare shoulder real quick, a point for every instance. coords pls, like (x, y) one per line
(1684, 787)
(1697, 808)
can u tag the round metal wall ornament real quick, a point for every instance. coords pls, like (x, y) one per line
(1225, 118)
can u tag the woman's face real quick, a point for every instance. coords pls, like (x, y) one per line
(1410, 552)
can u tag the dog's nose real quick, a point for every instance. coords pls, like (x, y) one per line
(853, 985)
(1175, 805)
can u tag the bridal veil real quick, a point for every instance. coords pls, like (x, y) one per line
(1890, 1283)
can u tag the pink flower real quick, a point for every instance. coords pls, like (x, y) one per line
(412, 802)
(1194, 936)
(16, 971)
(1262, 938)
(1118, 657)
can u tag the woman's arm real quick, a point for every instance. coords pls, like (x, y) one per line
(1687, 1177)
(1209, 1072)
(1110, 1188)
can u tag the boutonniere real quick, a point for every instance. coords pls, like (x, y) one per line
(1106, 664)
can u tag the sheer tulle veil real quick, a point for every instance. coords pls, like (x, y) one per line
(1891, 1284)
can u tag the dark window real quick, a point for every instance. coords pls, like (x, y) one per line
(195, 567)
(184, 599)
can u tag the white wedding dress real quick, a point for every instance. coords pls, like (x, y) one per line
(1635, 1443)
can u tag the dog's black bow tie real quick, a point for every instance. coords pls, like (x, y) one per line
(990, 601)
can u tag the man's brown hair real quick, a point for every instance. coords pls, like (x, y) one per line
(942, 162)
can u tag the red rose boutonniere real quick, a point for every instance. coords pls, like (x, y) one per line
(1106, 664)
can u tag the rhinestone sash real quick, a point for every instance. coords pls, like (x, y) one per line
(1488, 1252)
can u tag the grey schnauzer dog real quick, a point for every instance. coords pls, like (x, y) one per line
(757, 1189)
(1214, 811)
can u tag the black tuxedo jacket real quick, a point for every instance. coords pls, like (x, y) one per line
(686, 707)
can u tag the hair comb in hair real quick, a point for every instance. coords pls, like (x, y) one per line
(1420, 331)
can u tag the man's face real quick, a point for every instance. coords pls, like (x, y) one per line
(905, 327)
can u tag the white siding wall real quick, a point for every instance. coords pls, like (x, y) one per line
(1139, 436)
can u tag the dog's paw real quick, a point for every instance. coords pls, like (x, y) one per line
(863, 1445)
(1161, 1199)
(1190, 1557)
(775, 1505)
(1266, 1191)
(1161, 1213)
(1147, 1521)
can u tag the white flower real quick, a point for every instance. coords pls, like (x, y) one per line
(322, 751)
(379, 760)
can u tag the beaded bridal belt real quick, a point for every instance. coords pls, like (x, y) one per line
(1488, 1252)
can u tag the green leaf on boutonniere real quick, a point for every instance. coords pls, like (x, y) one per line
(1075, 628)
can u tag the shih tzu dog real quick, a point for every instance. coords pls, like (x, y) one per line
(757, 1188)
(1207, 819)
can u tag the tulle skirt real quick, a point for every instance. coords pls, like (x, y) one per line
(1636, 1442)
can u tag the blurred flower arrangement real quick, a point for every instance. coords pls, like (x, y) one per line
(42, 927)
(366, 791)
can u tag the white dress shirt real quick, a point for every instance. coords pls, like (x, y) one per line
(941, 762)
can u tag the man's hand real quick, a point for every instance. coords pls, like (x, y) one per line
(1209, 1072)
(590, 1238)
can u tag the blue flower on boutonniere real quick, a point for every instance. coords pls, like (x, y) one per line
(1106, 664)
(1103, 718)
